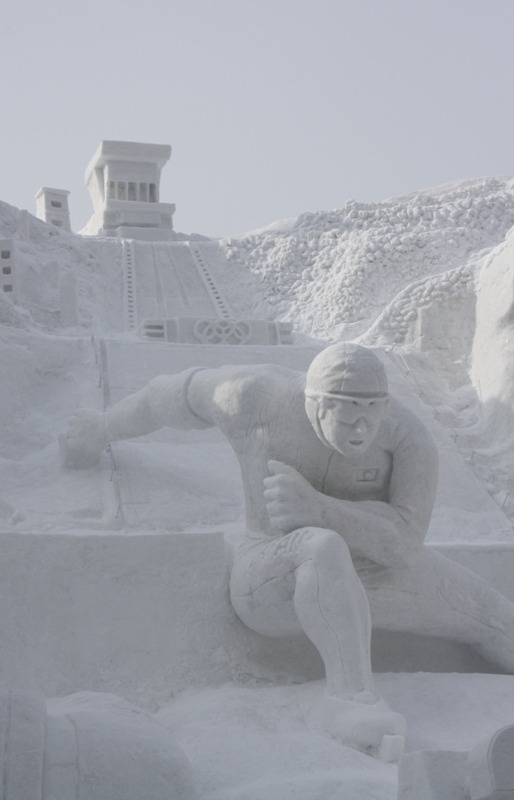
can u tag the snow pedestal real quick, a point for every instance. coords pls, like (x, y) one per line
(145, 616)
(486, 772)
(491, 767)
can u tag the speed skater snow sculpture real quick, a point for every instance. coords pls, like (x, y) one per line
(339, 481)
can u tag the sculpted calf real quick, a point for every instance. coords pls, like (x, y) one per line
(339, 481)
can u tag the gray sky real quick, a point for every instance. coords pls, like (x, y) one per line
(272, 107)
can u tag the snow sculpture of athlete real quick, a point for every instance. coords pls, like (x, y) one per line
(339, 482)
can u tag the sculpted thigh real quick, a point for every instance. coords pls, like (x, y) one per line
(259, 561)
(263, 582)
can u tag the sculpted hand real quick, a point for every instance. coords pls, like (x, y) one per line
(291, 501)
(86, 432)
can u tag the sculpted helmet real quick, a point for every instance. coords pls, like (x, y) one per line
(346, 370)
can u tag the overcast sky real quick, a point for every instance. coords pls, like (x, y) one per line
(272, 107)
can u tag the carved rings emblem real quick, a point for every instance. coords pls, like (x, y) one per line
(222, 331)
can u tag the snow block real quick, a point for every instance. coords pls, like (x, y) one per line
(485, 773)
(141, 616)
(92, 745)
(22, 737)
(491, 767)
(108, 749)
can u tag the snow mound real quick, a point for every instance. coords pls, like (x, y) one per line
(333, 273)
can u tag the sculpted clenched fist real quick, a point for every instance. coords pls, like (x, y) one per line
(84, 440)
(291, 501)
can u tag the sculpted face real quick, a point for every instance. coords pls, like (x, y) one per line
(345, 397)
(349, 424)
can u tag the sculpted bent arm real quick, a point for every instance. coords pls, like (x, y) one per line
(389, 533)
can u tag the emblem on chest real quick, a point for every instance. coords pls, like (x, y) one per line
(368, 475)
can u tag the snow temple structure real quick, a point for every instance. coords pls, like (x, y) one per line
(123, 180)
(169, 291)
(52, 206)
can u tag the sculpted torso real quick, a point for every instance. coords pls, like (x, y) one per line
(262, 414)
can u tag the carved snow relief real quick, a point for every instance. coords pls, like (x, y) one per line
(203, 330)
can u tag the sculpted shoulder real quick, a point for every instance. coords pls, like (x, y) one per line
(401, 428)
(241, 392)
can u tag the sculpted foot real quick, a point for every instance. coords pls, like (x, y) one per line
(368, 726)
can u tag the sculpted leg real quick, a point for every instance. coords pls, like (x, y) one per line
(332, 607)
(319, 588)
(437, 597)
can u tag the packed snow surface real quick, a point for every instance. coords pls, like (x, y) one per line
(261, 746)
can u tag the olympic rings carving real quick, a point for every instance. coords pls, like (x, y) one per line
(222, 331)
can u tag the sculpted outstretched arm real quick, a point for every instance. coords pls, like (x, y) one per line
(197, 398)
(164, 402)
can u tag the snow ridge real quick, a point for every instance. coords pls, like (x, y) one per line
(333, 272)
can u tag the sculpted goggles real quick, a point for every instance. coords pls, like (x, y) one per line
(350, 408)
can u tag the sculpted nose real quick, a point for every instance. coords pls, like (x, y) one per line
(360, 425)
